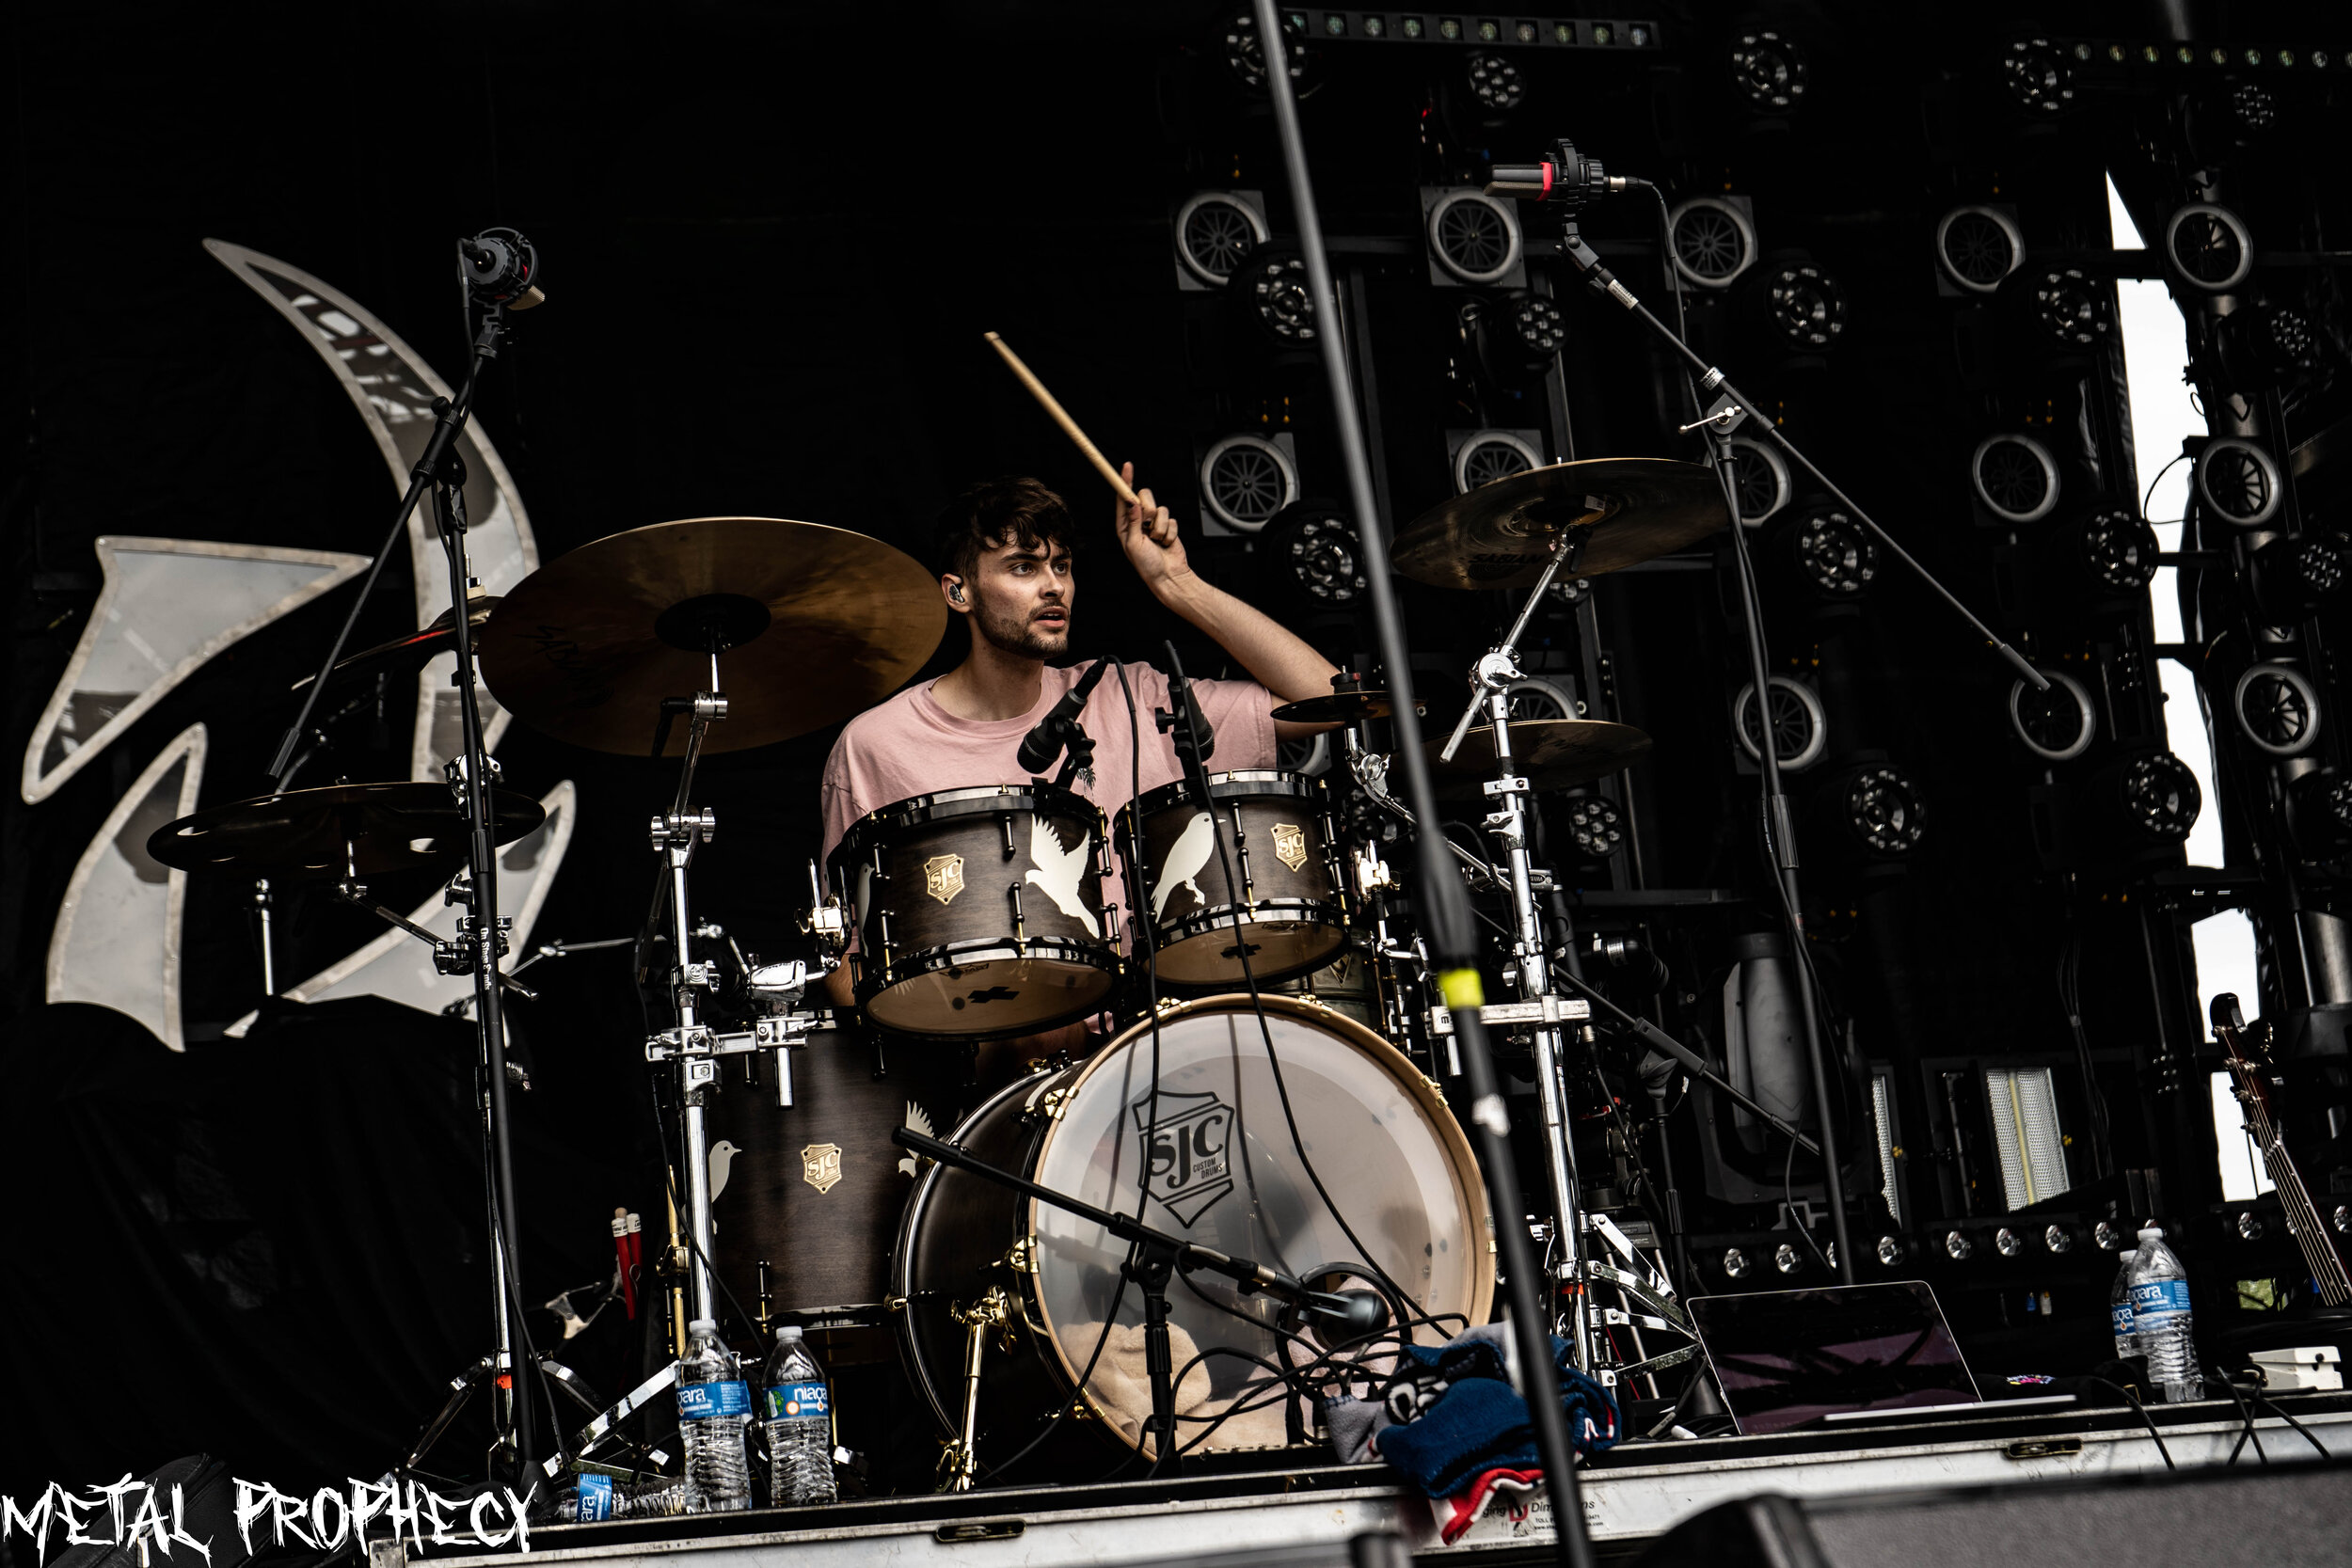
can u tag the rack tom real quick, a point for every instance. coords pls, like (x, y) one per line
(979, 911)
(1283, 885)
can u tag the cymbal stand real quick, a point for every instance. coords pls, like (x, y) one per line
(693, 1044)
(1507, 825)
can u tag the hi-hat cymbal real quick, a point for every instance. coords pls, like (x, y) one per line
(1341, 708)
(1549, 753)
(330, 831)
(813, 623)
(414, 651)
(1624, 509)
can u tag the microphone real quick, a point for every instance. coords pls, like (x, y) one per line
(501, 268)
(1567, 179)
(1044, 741)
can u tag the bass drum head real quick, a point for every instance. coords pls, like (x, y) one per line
(1224, 1171)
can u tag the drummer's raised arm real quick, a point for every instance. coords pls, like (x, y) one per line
(1278, 657)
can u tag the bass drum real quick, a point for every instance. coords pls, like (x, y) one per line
(1223, 1169)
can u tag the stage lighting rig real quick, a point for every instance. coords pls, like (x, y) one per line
(1713, 240)
(1800, 727)
(1216, 233)
(1768, 69)
(1760, 481)
(2072, 310)
(2266, 346)
(1495, 81)
(2058, 723)
(2118, 549)
(1596, 827)
(1273, 287)
(1836, 555)
(1882, 811)
(2155, 797)
(1976, 246)
(2015, 479)
(2038, 76)
(1807, 305)
(2293, 577)
(2239, 482)
(1315, 547)
(2208, 248)
(2277, 708)
(2319, 814)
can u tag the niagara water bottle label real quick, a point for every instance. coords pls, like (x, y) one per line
(698, 1400)
(2158, 1298)
(2122, 1315)
(787, 1401)
(596, 1499)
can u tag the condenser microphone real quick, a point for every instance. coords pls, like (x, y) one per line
(1044, 742)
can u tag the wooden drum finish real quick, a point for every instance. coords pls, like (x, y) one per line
(980, 911)
(1216, 1153)
(814, 1189)
(1286, 886)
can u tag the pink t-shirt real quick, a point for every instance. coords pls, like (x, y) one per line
(911, 746)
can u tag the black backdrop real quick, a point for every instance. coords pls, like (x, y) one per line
(772, 236)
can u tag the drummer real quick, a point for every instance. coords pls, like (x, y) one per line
(1004, 553)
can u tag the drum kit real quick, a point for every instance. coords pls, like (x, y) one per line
(1283, 1102)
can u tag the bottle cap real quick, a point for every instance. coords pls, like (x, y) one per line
(2147, 1232)
(787, 1331)
(700, 1328)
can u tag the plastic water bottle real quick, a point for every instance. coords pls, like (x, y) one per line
(798, 1424)
(2160, 1318)
(713, 1405)
(2119, 1307)
(590, 1498)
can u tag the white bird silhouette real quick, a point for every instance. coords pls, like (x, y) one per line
(916, 1122)
(1057, 871)
(723, 1155)
(1190, 853)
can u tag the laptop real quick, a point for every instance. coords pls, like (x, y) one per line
(1840, 1357)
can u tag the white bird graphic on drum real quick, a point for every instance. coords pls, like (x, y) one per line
(1185, 857)
(1057, 871)
(723, 1155)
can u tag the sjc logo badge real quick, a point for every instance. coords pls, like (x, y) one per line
(1184, 1151)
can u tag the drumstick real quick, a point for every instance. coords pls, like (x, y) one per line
(1061, 417)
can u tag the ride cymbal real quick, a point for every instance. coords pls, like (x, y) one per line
(1341, 708)
(814, 623)
(1623, 510)
(336, 831)
(1549, 753)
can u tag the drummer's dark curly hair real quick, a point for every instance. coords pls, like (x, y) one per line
(990, 513)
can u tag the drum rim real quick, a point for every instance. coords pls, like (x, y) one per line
(1421, 1089)
(1100, 957)
(1258, 782)
(916, 809)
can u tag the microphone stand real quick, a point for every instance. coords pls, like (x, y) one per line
(1729, 412)
(1160, 1258)
(1451, 935)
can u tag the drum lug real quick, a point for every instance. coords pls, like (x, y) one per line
(1004, 820)
(894, 1304)
(1053, 1104)
(1241, 851)
(1022, 1256)
(1020, 921)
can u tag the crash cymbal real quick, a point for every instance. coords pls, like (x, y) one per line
(813, 623)
(1626, 510)
(1341, 708)
(1549, 753)
(369, 828)
(403, 655)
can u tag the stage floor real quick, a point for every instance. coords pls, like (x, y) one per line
(1636, 1492)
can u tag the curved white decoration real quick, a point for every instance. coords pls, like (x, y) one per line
(399, 968)
(393, 389)
(167, 606)
(126, 954)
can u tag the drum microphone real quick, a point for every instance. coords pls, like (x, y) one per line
(1567, 179)
(1044, 742)
(501, 268)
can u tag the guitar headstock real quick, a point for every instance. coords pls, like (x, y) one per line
(2225, 1013)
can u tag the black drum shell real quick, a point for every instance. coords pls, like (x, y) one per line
(1283, 886)
(961, 934)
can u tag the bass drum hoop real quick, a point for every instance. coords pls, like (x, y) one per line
(1424, 1094)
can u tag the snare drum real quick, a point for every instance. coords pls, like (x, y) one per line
(979, 911)
(1285, 887)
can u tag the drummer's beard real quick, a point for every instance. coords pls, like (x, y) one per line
(1021, 632)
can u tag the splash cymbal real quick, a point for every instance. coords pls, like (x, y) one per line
(336, 830)
(1622, 510)
(812, 625)
(1549, 753)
